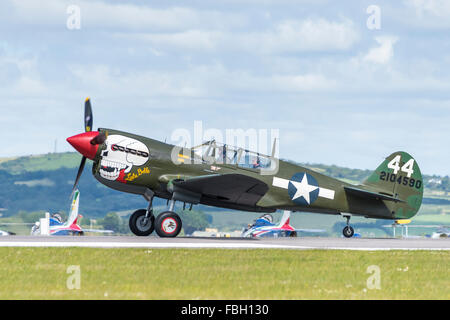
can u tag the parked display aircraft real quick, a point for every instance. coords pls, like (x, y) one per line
(264, 227)
(54, 225)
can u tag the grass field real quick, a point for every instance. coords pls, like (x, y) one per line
(41, 273)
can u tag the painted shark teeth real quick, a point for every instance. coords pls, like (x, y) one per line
(111, 170)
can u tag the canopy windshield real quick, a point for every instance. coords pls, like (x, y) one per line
(218, 153)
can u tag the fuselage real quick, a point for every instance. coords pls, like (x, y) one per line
(132, 163)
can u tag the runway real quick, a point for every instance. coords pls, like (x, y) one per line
(307, 243)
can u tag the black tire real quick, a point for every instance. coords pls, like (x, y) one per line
(168, 224)
(137, 226)
(348, 232)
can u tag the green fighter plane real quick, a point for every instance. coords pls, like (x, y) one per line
(223, 176)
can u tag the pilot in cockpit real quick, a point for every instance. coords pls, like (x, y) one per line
(256, 163)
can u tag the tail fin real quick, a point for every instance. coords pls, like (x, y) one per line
(285, 218)
(73, 215)
(398, 176)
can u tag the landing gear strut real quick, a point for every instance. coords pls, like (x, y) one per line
(142, 222)
(348, 231)
(167, 224)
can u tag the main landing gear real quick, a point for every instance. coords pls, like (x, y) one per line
(167, 224)
(348, 231)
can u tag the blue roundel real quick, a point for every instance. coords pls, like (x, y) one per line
(303, 189)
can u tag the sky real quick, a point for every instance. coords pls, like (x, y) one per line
(344, 82)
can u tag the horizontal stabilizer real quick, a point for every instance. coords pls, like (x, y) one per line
(371, 195)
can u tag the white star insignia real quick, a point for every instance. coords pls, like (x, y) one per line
(303, 189)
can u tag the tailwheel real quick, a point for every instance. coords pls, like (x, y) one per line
(348, 232)
(141, 223)
(168, 224)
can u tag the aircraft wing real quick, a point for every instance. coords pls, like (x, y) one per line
(370, 194)
(234, 189)
(311, 230)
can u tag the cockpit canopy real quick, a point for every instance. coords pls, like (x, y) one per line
(218, 153)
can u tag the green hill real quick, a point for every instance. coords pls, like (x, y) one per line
(45, 162)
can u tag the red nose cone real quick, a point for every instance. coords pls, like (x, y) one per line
(82, 143)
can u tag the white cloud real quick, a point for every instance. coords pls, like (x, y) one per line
(302, 82)
(197, 40)
(384, 53)
(19, 75)
(285, 36)
(197, 81)
(97, 15)
(423, 14)
(437, 8)
(311, 35)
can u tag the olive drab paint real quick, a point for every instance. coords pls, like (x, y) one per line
(294, 187)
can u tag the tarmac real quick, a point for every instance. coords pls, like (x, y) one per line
(301, 243)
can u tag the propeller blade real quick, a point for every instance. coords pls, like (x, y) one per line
(80, 171)
(88, 120)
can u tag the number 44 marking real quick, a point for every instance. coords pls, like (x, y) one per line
(394, 164)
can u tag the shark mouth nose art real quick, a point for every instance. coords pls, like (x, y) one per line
(112, 170)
